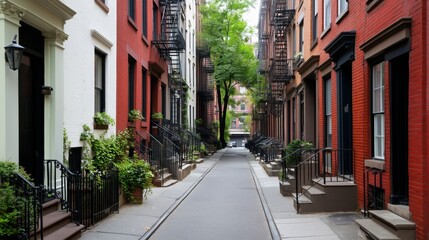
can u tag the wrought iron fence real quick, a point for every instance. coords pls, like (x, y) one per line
(29, 199)
(88, 197)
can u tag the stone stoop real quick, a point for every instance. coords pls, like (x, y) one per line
(167, 181)
(329, 197)
(287, 187)
(57, 223)
(272, 169)
(386, 225)
(184, 171)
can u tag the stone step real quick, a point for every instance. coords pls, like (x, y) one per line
(70, 231)
(392, 220)
(50, 206)
(374, 230)
(169, 182)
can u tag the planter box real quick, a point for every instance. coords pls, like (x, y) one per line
(101, 126)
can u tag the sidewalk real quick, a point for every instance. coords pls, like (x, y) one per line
(138, 221)
(291, 225)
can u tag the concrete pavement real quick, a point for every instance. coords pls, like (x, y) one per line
(140, 221)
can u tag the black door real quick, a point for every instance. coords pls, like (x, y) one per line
(31, 103)
(399, 128)
(345, 131)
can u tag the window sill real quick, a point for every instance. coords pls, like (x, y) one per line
(145, 41)
(342, 16)
(102, 5)
(132, 23)
(325, 32)
(375, 163)
(371, 4)
(313, 44)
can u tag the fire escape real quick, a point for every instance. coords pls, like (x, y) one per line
(281, 69)
(205, 93)
(171, 44)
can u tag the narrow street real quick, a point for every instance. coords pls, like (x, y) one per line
(224, 205)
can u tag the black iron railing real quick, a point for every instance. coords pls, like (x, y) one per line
(88, 197)
(373, 192)
(29, 199)
(157, 155)
(141, 147)
(307, 165)
(65, 185)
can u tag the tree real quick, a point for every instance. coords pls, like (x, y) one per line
(227, 36)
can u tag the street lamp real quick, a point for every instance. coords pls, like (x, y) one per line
(14, 53)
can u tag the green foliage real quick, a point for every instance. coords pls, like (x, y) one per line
(227, 34)
(294, 151)
(66, 146)
(135, 114)
(203, 149)
(102, 118)
(11, 203)
(199, 122)
(135, 173)
(157, 115)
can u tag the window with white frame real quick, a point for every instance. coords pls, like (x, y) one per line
(326, 14)
(343, 6)
(378, 110)
(328, 114)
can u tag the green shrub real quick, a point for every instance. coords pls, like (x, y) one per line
(102, 118)
(11, 204)
(135, 173)
(294, 151)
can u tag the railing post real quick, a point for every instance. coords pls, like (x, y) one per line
(296, 188)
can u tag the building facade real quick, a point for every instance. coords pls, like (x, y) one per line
(90, 76)
(360, 71)
(31, 120)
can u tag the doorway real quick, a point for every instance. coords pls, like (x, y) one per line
(399, 77)
(345, 126)
(31, 103)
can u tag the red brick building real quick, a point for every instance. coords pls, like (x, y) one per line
(372, 88)
(141, 72)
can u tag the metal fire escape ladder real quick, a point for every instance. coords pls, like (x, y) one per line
(170, 45)
(281, 71)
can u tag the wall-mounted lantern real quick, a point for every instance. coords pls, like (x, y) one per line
(14, 53)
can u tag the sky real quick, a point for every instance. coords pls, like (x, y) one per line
(252, 17)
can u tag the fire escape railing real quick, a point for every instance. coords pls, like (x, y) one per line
(170, 45)
(281, 69)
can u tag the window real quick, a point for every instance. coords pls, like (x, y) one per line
(315, 13)
(293, 118)
(328, 114)
(378, 110)
(242, 106)
(301, 37)
(343, 6)
(293, 40)
(155, 22)
(131, 75)
(131, 9)
(99, 82)
(234, 123)
(144, 17)
(301, 114)
(144, 92)
(327, 14)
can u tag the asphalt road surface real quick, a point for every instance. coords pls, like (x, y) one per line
(224, 205)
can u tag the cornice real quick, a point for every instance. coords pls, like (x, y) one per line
(59, 8)
(11, 10)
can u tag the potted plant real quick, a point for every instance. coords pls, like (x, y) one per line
(157, 116)
(134, 114)
(135, 177)
(102, 120)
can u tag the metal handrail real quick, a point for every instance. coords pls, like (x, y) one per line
(29, 202)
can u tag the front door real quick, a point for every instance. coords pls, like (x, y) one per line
(31, 103)
(345, 158)
(399, 128)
